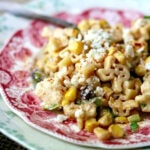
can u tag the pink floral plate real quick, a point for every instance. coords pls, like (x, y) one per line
(16, 87)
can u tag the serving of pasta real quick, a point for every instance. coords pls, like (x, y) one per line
(97, 74)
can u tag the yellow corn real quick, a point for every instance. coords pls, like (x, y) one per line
(84, 25)
(76, 47)
(105, 120)
(107, 91)
(90, 124)
(65, 102)
(112, 50)
(147, 60)
(66, 61)
(71, 94)
(116, 131)
(120, 57)
(102, 134)
(121, 119)
(130, 93)
(140, 70)
(104, 24)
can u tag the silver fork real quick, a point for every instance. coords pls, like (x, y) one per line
(19, 10)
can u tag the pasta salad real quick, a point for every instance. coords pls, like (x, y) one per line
(97, 74)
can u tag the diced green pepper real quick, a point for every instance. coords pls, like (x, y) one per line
(134, 126)
(134, 118)
(37, 76)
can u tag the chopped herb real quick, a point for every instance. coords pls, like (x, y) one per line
(79, 102)
(37, 76)
(143, 105)
(52, 107)
(134, 126)
(146, 17)
(97, 101)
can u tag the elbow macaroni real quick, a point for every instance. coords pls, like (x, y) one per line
(98, 65)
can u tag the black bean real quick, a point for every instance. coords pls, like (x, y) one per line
(87, 93)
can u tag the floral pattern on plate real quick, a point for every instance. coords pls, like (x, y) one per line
(16, 61)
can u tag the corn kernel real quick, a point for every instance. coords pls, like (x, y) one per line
(104, 24)
(147, 60)
(121, 119)
(120, 57)
(102, 134)
(84, 25)
(65, 102)
(130, 93)
(116, 131)
(107, 91)
(71, 94)
(140, 70)
(66, 61)
(105, 120)
(76, 47)
(90, 124)
(112, 50)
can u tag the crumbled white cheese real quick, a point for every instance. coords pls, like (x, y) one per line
(61, 118)
(147, 66)
(81, 80)
(129, 51)
(75, 128)
(127, 36)
(93, 80)
(100, 41)
(141, 49)
(98, 38)
(77, 79)
(79, 113)
(62, 72)
(67, 82)
(139, 23)
(95, 54)
(99, 91)
(85, 47)
(79, 37)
